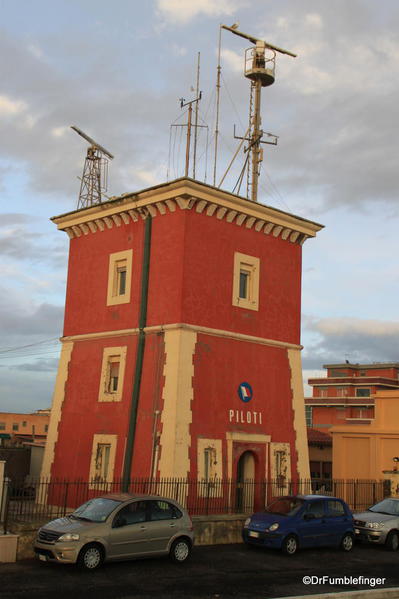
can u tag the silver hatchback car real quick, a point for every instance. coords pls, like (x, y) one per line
(379, 524)
(117, 527)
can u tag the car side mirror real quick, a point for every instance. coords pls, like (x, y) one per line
(309, 517)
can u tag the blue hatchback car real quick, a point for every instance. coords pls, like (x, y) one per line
(298, 521)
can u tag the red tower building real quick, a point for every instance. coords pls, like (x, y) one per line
(181, 344)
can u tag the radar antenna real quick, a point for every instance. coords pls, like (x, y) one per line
(95, 172)
(259, 68)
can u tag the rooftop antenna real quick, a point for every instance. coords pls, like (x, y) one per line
(196, 115)
(189, 125)
(259, 68)
(95, 172)
(219, 69)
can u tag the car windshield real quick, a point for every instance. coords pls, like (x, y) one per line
(285, 506)
(96, 510)
(386, 506)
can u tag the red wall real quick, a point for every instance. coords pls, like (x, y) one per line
(220, 365)
(191, 278)
(83, 415)
(86, 309)
(208, 279)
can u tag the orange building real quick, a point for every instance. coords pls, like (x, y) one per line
(27, 427)
(372, 446)
(346, 394)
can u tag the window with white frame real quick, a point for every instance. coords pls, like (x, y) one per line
(246, 281)
(101, 463)
(102, 459)
(112, 374)
(119, 277)
(209, 466)
(209, 463)
(281, 469)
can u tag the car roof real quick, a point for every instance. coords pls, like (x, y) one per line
(129, 496)
(310, 497)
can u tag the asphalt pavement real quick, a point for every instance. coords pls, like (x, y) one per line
(214, 572)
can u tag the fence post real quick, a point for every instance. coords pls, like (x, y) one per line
(2, 506)
(66, 497)
(208, 489)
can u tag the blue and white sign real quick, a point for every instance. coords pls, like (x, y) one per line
(245, 392)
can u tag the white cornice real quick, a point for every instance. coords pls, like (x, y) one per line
(187, 194)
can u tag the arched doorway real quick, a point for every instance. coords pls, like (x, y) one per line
(245, 482)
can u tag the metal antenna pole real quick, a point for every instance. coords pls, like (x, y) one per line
(189, 125)
(196, 116)
(260, 69)
(219, 68)
(255, 142)
(250, 121)
(190, 111)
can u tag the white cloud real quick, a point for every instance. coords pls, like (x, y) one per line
(36, 51)
(314, 20)
(145, 175)
(179, 50)
(333, 340)
(345, 326)
(233, 60)
(59, 131)
(10, 107)
(183, 11)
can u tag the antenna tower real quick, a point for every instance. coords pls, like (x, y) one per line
(260, 69)
(95, 172)
(189, 125)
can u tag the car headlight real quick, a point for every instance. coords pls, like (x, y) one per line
(69, 536)
(374, 524)
(246, 523)
(274, 526)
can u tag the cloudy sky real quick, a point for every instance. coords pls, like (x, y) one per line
(117, 70)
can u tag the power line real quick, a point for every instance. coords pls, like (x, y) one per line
(19, 347)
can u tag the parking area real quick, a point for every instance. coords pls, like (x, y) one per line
(220, 571)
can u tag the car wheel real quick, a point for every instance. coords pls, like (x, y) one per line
(392, 542)
(180, 550)
(290, 545)
(347, 542)
(90, 557)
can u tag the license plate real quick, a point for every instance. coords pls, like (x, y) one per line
(42, 558)
(252, 533)
(357, 531)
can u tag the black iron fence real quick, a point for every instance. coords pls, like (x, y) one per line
(51, 498)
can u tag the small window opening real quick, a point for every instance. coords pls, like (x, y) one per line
(244, 284)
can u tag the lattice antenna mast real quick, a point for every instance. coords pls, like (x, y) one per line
(260, 69)
(95, 172)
